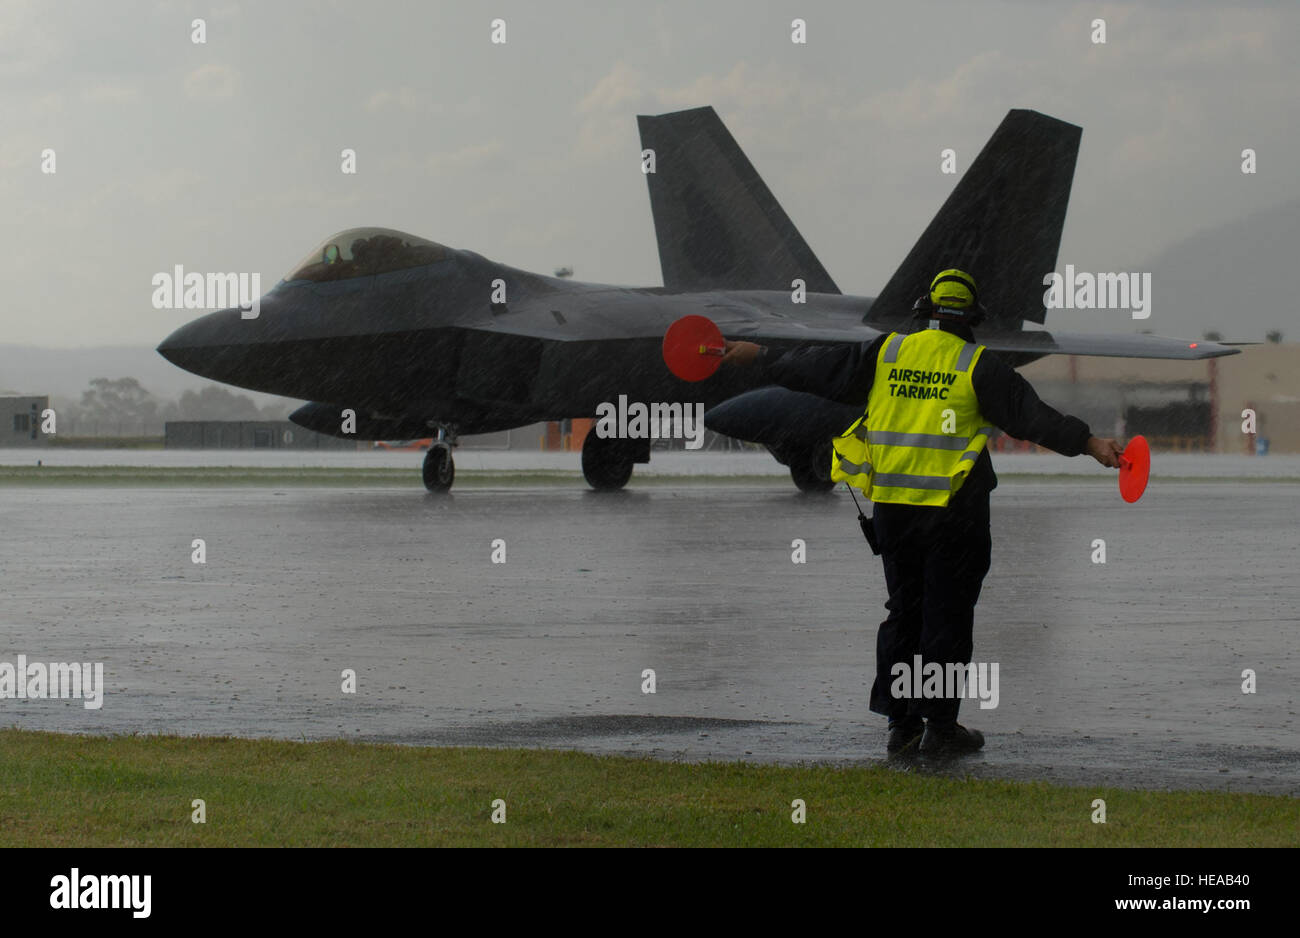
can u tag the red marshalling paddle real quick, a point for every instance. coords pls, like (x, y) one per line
(693, 348)
(1134, 469)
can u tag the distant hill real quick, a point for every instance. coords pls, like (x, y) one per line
(1234, 278)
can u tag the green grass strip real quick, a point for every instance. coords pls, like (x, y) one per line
(66, 790)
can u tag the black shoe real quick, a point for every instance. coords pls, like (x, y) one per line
(904, 734)
(950, 739)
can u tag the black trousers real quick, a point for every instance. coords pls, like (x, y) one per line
(935, 561)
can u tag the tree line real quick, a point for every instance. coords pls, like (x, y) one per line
(124, 402)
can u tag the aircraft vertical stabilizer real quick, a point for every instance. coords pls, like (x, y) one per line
(1002, 224)
(717, 224)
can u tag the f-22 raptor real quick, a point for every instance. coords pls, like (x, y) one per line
(417, 339)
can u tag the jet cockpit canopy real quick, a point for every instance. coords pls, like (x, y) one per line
(362, 252)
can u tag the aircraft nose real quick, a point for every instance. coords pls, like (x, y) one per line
(174, 347)
(197, 346)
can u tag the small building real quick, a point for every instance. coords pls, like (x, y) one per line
(20, 420)
(247, 434)
(1196, 406)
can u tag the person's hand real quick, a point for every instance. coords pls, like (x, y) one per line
(1106, 452)
(740, 353)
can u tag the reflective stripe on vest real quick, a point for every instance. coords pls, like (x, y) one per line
(967, 353)
(906, 480)
(933, 440)
(853, 468)
(849, 461)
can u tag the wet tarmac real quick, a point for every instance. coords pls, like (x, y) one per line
(1126, 673)
(1186, 466)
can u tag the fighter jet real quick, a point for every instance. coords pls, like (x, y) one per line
(391, 336)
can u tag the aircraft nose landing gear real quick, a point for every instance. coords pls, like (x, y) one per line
(439, 467)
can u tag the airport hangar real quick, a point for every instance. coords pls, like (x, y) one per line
(1182, 406)
(20, 419)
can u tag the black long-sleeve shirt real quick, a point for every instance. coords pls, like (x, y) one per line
(845, 374)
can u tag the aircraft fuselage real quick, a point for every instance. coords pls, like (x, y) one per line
(428, 344)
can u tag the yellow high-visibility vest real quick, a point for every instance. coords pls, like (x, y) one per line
(922, 430)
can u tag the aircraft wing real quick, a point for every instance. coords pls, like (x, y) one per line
(1023, 346)
(740, 320)
(1042, 342)
(791, 423)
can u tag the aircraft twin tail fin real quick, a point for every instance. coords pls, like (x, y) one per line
(718, 226)
(1001, 224)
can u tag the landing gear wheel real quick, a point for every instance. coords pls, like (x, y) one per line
(811, 470)
(439, 468)
(606, 464)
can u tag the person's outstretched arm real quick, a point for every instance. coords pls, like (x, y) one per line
(1010, 402)
(841, 373)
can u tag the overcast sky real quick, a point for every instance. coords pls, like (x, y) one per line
(225, 156)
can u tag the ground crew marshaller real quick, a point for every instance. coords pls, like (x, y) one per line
(933, 397)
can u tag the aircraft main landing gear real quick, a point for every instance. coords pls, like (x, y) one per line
(811, 469)
(607, 463)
